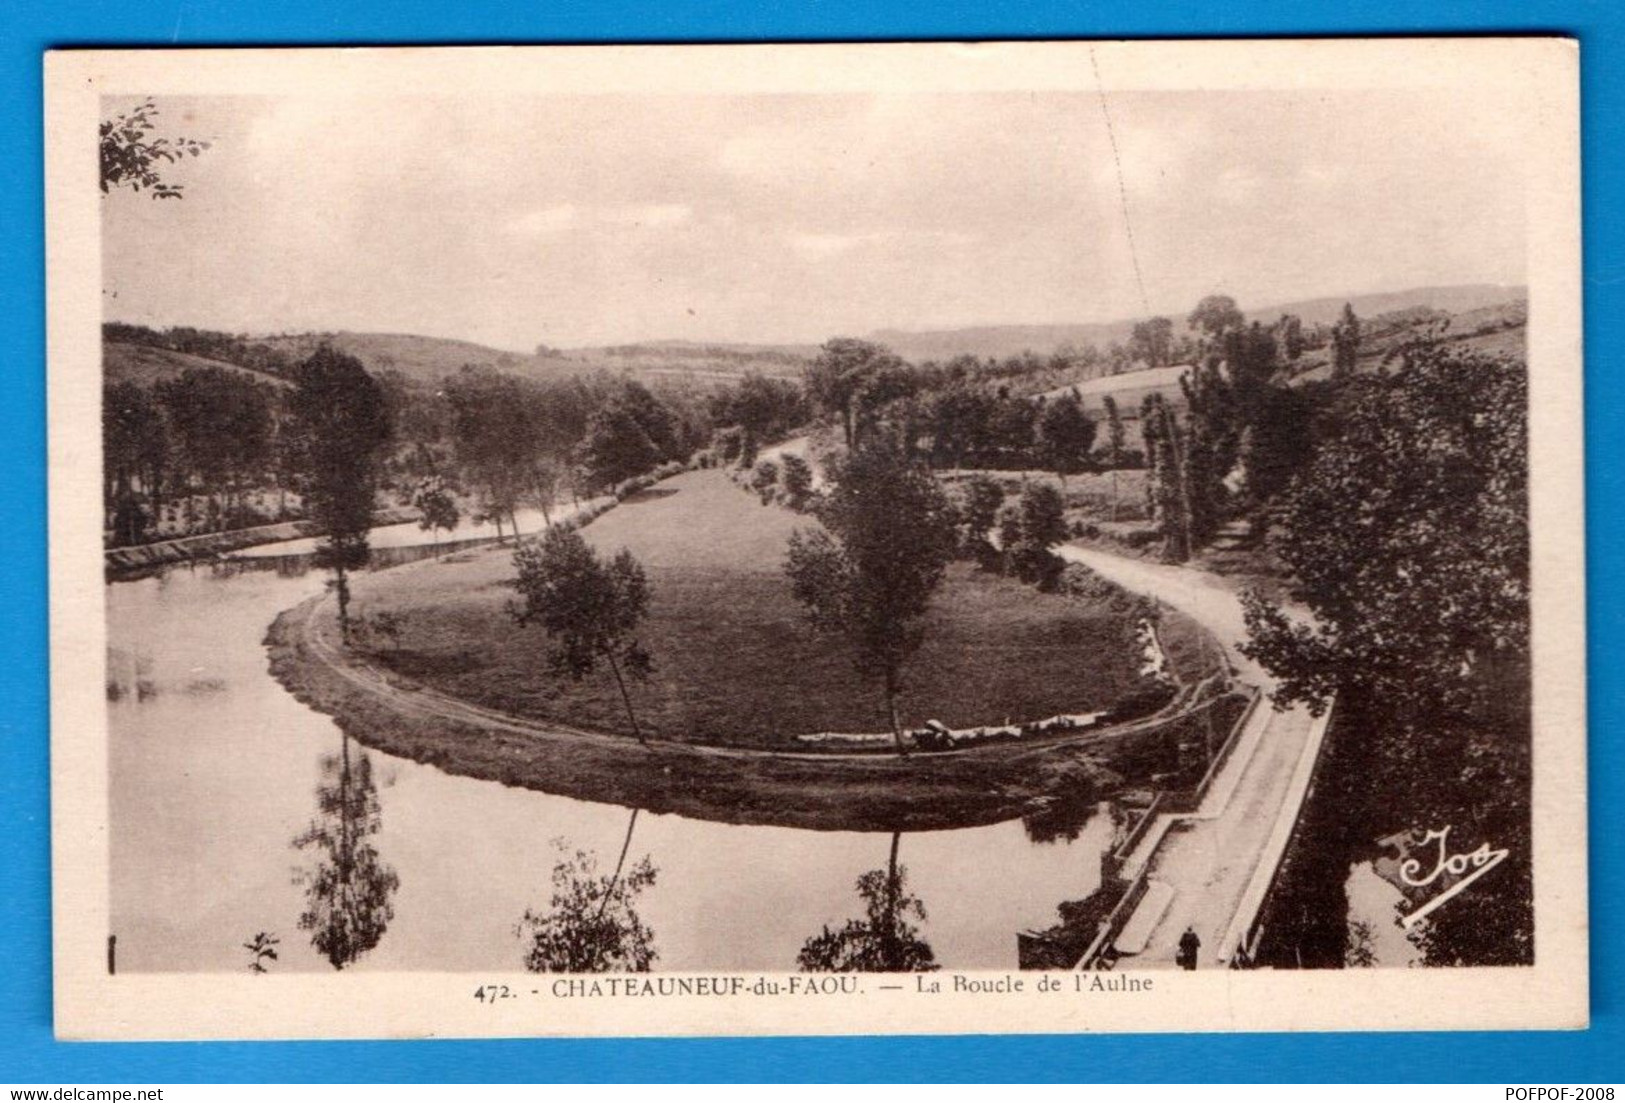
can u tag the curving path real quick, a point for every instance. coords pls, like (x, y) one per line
(1218, 860)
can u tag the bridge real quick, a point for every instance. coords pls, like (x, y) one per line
(1205, 860)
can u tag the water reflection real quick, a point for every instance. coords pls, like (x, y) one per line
(885, 940)
(1064, 819)
(348, 893)
(195, 875)
(261, 950)
(592, 925)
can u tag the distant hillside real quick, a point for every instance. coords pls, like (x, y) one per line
(1002, 341)
(145, 365)
(430, 359)
(424, 359)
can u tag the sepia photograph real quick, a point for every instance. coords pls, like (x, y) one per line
(871, 538)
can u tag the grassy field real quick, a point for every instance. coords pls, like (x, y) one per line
(735, 660)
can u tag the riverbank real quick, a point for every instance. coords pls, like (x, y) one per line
(736, 662)
(818, 791)
(135, 560)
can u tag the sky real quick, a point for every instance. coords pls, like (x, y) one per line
(585, 220)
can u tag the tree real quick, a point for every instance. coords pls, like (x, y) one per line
(222, 426)
(590, 608)
(342, 425)
(837, 377)
(617, 447)
(869, 573)
(592, 925)
(1114, 445)
(796, 479)
(1036, 524)
(1166, 488)
(1345, 343)
(507, 447)
(1215, 315)
(761, 406)
(1408, 538)
(1153, 341)
(130, 155)
(347, 895)
(135, 453)
(438, 507)
(960, 419)
(1290, 329)
(980, 499)
(1065, 435)
(1012, 429)
(885, 940)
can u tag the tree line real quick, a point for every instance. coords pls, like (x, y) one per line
(212, 449)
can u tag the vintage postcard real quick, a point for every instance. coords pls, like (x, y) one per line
(943, 538)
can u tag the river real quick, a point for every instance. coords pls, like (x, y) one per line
(223, 812)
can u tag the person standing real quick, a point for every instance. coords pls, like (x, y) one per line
(1189, 944)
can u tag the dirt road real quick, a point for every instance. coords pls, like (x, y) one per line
(1217, 858)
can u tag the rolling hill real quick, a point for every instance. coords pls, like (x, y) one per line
(145, 365)
(430, 359)
(1012, 340)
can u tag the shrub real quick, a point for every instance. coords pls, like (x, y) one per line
(797, 481)
(728, 444)
(763, 479)
(634, 485)
(1079, 581)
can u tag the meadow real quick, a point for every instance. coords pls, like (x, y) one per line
(735, 660)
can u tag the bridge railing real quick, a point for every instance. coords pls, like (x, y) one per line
(1239, 946)
(1171, 803)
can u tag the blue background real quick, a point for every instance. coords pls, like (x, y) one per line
(27, 1051)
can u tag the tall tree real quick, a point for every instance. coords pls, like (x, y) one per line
(980, 497)
(1153, 341)
(869, 573)
(1216, 315)
(1065, 435)
(135, 452)
(1345, 343)
(1114, 445)
(837, 377)
(1290, 331)
(960, 419)
(617, 447)
(1036, 524)
(1408, 537)
(222, 426)
(1166, 485)
(341, 426)
(590, 608)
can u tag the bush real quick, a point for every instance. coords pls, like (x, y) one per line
(1079, 581)
(763, 479)
(797, 481)
(629, 487)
